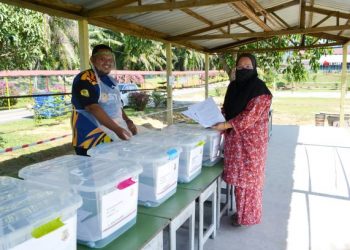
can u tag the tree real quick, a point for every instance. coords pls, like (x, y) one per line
(142, 54)
(61, 50)
(20, 45)
(273, 60)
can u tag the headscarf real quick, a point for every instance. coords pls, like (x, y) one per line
(244, 88)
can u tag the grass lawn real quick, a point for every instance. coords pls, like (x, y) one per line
(301, 111)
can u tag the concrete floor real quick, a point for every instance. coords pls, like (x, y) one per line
(306, 196)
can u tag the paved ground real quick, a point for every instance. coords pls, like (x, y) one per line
(15, 114)
(306, 194)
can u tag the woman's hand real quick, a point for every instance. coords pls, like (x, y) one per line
(222, 126)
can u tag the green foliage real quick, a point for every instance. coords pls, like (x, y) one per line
(21, 37)
(274, 60)
(185, 59)
(159, 98)
(61, 45)
(269, 76)
(295, 70)
(4, 102)
(2, 142)
(280, 85)
(138, 100)
(219, 91)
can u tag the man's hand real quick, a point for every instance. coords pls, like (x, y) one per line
(131, 126)
(122, 133)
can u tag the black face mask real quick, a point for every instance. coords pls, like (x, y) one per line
(244, 74)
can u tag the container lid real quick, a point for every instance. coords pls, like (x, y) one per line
(26, 207)
(134, 150)
(80, 172)
(191, 128)
(183, 139)
(171, 137)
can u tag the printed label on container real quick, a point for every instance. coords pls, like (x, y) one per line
(196, 157)
(118, 207)
(166, 178)
(63, 238)
(215, 149)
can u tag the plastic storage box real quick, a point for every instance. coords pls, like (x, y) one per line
(109, 193)
(190, 164)
(158, 181)
(36, 217)
(211, 152)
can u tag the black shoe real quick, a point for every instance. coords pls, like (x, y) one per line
(235, 220)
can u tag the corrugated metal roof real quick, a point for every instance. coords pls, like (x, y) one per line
(232, 22)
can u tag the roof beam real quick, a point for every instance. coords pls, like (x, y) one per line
(311, 15)
(50, 10)
(285, 24)
(273, 20)
(172, 5)
(263, 34)
(201, 18)
(330, 37)
(328, 12)
(223, 48)
(321, 21)
(239, 19)
(341, 32)
(302, 14)
(245, 10)
(118, 25)
(112, 5)
(264, 50)
(245, 27)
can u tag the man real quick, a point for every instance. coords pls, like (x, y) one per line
(97, 109)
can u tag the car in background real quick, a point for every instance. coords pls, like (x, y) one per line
(125, 90)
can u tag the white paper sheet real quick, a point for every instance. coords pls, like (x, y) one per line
(206, 113)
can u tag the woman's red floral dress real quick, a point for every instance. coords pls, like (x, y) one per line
(244, 157)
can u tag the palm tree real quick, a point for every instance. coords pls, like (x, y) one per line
(61, 51)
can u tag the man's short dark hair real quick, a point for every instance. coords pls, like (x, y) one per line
(100, 47)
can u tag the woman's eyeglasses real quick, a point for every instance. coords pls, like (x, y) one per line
(239, 67)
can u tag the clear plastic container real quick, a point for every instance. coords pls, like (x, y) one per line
(158, 181)
(33, 216)
(109, 193)
(211, 153)
(190, 165)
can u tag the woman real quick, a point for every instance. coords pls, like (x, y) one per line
(246, 107)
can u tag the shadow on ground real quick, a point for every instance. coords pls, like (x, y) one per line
(11, 167)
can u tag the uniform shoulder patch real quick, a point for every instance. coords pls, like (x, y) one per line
(85, 92)
(89, 76)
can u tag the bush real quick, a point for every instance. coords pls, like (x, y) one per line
(280, 85)
(133, 78)
(138, 100)
(158, 98)
(3, 92)
(4, 102)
